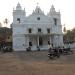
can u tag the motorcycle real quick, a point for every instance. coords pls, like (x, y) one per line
(53, 53)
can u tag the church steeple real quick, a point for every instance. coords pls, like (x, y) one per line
(37, 4)
(18, 14)
(18, 7)
(55, 15)
(52, 9)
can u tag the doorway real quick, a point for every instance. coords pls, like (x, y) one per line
(40, 41)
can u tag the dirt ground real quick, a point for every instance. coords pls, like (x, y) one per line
(36, 63)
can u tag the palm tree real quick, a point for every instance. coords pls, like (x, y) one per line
(6, 21)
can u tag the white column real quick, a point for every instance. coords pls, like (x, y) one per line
(38, 40)
(50, 39)
(27, 40)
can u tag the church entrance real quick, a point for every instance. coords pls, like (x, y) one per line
(40, 41)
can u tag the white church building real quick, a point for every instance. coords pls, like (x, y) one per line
(36, 29)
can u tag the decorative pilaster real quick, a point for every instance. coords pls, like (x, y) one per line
(38, 40)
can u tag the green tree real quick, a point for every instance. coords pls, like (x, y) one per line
(70, 36)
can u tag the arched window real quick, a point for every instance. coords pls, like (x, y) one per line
(55, 21)
(30, 30)
(39, 29)
(18, 19)
(30, 43)
(48, 30)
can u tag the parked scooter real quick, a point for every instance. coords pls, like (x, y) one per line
(53, 53)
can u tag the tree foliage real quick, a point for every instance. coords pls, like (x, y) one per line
(6, 21)
(4, 32)
(70, 36)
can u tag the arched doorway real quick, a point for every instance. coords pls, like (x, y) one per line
(40, 41)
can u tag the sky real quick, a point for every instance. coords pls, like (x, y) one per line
(66, 7)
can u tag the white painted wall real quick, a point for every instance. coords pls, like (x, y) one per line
(20, 30)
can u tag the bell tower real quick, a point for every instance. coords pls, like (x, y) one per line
(57, 39)
(18, 14)
(55, 15)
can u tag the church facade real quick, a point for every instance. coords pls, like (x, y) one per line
(36, 29)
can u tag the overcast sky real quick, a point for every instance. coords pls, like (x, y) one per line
(66, 7)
